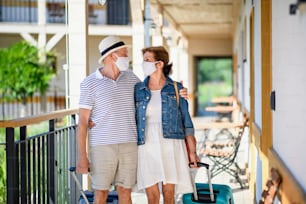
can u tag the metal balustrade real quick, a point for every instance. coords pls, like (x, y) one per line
(37, 165)
(18, 11)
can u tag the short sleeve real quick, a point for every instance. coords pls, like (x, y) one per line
(85, 96)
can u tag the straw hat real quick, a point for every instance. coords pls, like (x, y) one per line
(109, 45)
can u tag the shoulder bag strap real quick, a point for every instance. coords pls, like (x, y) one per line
(176, 93)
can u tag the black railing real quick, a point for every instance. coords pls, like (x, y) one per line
(37, 165)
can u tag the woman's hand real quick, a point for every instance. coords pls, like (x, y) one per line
(191, 149)
(193, 159)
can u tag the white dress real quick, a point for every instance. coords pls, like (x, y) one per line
(159, 159)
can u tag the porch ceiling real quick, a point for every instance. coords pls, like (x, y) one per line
(201, 19)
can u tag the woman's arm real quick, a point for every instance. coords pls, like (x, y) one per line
(192, 150)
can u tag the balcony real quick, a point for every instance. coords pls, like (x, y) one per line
(21, 11)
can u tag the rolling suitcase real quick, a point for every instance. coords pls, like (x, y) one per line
(87, 197)
(209, 193)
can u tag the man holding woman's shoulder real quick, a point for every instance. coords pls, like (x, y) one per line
(107, 100)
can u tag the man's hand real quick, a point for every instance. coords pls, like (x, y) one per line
(91, 124)
(82, 165)
(184, 92)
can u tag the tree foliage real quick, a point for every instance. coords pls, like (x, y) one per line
(22, 73)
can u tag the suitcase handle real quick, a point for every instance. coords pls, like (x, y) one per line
(200, 164)
(73, 169)
(73, 174)
(211, 194)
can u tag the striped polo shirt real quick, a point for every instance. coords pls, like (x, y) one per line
(112, 107)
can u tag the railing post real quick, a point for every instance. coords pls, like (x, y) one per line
(51, 162)
(23, 164)
(12, 178)
(74, 192)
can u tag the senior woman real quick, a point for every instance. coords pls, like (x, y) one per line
(163, 125)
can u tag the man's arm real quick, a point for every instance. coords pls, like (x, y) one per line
(184, 93)
(82, 163)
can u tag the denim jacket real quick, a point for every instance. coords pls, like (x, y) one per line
(176, 121)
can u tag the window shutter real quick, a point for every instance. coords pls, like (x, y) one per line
(118, 12)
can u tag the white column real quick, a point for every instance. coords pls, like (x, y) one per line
(173, 52)
(182, 71)
(138, 44)
(179, 58)
(77, 48)
(41, 42)
(42, 38)
(171, 40)
(185, 72)
(137, 7)
(147, 23)
(157, 37)
(41, 4)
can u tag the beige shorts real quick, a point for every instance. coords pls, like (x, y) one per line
(113, 164)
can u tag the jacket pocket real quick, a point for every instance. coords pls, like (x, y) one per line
(174, 116)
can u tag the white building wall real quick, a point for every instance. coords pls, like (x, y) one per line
(242, 48)
(240, 73)
(289, 73)
(257, 91)
(247, 60)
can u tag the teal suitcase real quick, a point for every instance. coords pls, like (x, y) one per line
(209, 193)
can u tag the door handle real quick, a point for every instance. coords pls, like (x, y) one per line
(272, 100)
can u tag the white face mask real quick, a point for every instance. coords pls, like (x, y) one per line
(122, 63)
(148, 68)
